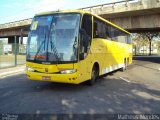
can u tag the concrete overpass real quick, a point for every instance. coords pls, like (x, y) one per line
(133, 15)
(15, 28)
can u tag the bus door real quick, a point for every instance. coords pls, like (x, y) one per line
(84, 50)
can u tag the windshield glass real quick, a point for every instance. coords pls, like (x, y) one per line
(54, 38)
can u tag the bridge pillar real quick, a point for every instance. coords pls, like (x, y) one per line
(14, 40)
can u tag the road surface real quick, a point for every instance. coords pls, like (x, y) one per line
(133, 91)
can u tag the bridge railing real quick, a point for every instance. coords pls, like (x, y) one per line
(16, 23)
(111, 4)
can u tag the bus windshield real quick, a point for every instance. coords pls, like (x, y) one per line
(54, 38)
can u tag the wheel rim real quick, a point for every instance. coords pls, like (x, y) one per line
(125, 64)
(93, 74)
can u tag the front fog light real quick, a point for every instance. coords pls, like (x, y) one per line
(68, 71)
(30, 69)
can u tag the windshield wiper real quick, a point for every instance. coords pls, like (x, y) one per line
(53, 47)
(74, 45)
(40, 47)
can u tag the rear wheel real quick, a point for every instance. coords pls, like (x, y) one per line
(125, 66)
(94, 75)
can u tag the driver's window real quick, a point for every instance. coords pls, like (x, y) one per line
(86, 35)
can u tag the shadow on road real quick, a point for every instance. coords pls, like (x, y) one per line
(108, 96)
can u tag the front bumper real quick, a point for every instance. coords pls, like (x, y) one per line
(62, 78)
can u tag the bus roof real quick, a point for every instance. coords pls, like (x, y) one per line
(82, 12)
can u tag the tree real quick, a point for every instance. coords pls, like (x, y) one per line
(136, 42)
(150, 36)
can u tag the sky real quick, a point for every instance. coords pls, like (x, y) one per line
(14, 10)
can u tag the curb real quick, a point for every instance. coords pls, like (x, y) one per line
(3, 74)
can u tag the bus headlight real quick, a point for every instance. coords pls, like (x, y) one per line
(68, 71)
(30, 69)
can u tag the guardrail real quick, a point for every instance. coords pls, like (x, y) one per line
(112, 3)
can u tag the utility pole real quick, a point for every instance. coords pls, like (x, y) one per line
(21, 42)
(15, 50)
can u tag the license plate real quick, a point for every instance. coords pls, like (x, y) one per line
(46, 78)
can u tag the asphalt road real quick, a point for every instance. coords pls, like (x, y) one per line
(136, 90)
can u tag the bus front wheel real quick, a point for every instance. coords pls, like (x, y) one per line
(94, 75)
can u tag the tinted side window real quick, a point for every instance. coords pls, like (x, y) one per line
(101, 29)
(98, 28)
(109, 32)
(129, 40)
(85, 35)
(118, 35)
(87, 24)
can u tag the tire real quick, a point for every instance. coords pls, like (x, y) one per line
(94, 76)
(125, 66)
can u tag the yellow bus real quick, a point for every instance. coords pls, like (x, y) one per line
(75, 46)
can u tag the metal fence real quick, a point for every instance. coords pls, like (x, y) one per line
(12, 54)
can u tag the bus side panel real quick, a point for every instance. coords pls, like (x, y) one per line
(110, 54)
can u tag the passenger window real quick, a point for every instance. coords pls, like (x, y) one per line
(101, 29)
(129, 39)
(96, 33)
(98, 29)
(109, 32)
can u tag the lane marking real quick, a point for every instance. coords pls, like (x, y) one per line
(124, 79)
